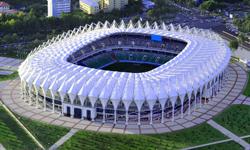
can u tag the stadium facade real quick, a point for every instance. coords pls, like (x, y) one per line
(65, 74)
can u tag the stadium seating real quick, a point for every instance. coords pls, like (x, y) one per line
(130, 41)
(135, 52)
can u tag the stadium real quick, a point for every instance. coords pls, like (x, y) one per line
(125, 72)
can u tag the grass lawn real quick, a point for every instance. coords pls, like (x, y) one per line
(223, 146)
(236, 118)
(8, 77)
(12, 136)
(110, 141)
(247, 140)
(45, 133)
(130, 67)
(247, 89)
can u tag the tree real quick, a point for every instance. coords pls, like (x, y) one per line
(243, 24)
(234, 44)
(242, 38)
(209, 5)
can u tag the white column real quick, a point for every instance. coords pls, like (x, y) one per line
(62, 109)
(82, 114)
(139, 118)
(151, 116)
(103, 115)
(212, 95)
(44, 102)
(92, 119)
(126, 117)
(162, 115)
(218, 83)
(173, 113)
(200, 97)
(115, 116)
(181, 109)
(53, 104)
(222, 80)
(62, 112)
(189, 102)
(22, 92)
(195, 101)
(36, 99)
(205, 98)
(217, 87)
(30, 98)
(71, 112)
(221, 83)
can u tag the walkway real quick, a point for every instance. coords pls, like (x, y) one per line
(213, 143)
(63, 139)
(9, 63)
(1, 147)
(231, 91)
(22, 126)
(242, 99)
(229, 134)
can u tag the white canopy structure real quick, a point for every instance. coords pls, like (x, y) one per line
(195, 73)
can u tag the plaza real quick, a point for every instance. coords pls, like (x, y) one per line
(230, 94)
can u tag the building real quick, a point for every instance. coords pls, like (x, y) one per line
(4, 7)
(109, 5)
(94, 6)
(57, 7)
(89, 6)
(66, 75)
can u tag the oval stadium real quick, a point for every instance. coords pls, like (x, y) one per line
(126, 72)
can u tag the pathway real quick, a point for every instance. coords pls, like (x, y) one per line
(233, 87)
(9, 63)
(213, 143)
(1, 147)
(229, 134)
(63, 139)
(242, 99)
(22, 126)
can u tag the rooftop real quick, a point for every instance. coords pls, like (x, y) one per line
(91, 3)
(4, 4)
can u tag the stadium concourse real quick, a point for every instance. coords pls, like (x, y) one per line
(64, 75)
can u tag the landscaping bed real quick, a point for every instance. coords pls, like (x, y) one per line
(45, 133)
(236, 118)
(8, 77)
(223, 146)
(110, 141)
(247, 88)
(12, 136)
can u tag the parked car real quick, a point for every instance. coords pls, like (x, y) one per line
(248, 64)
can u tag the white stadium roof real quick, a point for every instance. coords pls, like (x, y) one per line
(201, 61)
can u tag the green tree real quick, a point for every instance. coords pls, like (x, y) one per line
(234, 44)
(241, 38)
(209, 5)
